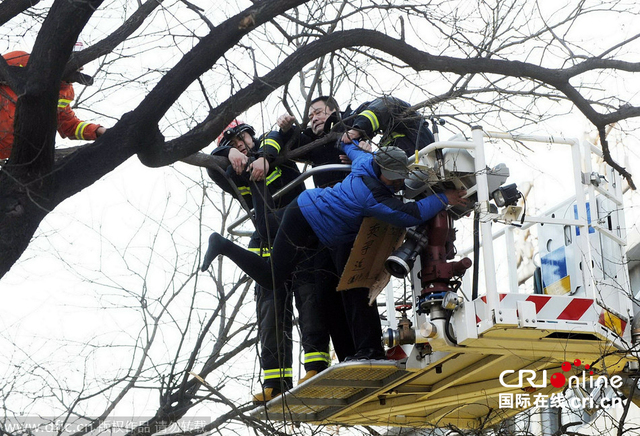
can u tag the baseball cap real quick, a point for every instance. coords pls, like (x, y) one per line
(393, 162)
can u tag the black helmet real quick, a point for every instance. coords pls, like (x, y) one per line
(234, 128)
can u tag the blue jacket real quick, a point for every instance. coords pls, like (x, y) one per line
(335, 214)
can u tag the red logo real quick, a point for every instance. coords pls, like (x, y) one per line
(558, 379)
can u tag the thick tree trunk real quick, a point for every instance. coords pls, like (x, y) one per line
(19, 219)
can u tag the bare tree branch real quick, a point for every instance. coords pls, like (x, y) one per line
(11, 8)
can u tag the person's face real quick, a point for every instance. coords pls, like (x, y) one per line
(396, 184)
(318, 114)
(243, 142)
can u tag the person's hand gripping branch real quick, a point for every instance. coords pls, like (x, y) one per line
(238, 160)
(259, 168)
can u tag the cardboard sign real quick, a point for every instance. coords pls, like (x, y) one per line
(365, 268)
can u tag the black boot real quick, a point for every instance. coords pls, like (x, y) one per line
(255, 266)
(215, 248)
(367, 354)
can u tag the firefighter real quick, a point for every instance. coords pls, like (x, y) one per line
(69, 126)
(332, 217)
(393, 118)
(323, 116)
(256, 180)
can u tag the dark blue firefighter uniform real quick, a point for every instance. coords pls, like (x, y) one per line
(274, 308)
(399, 126)
(325, 276)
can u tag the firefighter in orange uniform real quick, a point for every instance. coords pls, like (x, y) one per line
(69, 126)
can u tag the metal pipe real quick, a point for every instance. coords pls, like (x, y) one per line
(446, 144)
(582, 239)
(298, 180)
(529, 138)
(485, 226)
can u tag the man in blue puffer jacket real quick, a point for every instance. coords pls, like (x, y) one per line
(332, 217)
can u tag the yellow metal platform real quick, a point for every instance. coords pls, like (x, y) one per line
(461, 389)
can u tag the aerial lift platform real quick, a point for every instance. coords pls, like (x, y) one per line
(472, 347)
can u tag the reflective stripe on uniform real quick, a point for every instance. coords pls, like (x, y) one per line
(244, 190)
(80, 130)
(317, 357)
(274, 175)
(264, 252)
(270, 374)
(392, 137)
(373, 119)
(63, 103)
(272, 142)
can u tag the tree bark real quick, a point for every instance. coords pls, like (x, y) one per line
(9, 9)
